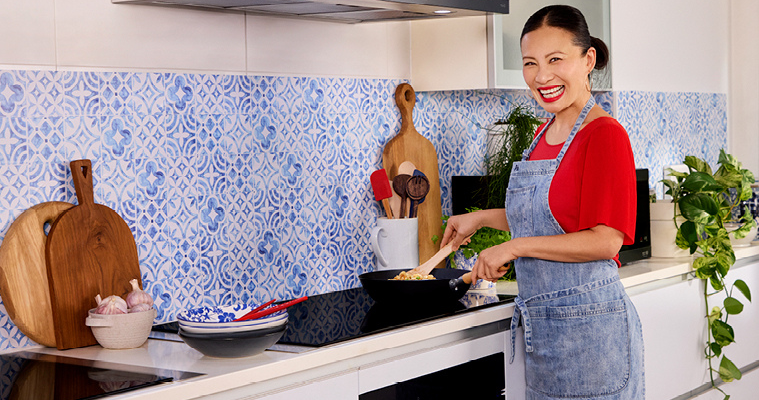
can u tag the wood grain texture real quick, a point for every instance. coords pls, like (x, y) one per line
(23, 272)
(90, 250)
(409, 145)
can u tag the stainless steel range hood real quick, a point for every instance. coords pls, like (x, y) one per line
(346, 11)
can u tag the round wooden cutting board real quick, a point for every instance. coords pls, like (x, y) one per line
(23, 273)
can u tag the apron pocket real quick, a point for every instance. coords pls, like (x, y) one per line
(579, 351)
(519, 210)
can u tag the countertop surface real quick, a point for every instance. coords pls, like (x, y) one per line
(270, 369)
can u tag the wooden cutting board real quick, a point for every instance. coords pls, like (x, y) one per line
(409, 145)
(23, 273)
(90, 250)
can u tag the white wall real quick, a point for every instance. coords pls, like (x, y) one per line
(670, 46)
(743, 102)
(96, 34)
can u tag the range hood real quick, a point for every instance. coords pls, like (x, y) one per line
(346, 11)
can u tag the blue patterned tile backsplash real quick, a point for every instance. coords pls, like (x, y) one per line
(244, 188)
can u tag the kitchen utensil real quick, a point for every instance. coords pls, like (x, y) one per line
(258, 314)
(417, 188)
(23, 273)
(449, 285)
(437, 258)
(121, 331)
(407, 168)
(399, 185)
(395, 201)
(382, 190)
(90, 250)
(409, 145)
(414, 210)
(395, 243)
(259, 308)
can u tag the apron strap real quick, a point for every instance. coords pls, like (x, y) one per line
(520, 310)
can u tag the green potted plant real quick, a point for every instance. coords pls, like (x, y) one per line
(705, 201)
(508, 138)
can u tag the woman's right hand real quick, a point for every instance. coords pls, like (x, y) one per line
(460, 227)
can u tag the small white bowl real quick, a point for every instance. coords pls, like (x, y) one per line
(121, 331)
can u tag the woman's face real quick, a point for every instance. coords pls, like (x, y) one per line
(555, 69)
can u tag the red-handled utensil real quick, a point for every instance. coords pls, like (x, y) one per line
(259, 308)
(382, 190)
(261, 313)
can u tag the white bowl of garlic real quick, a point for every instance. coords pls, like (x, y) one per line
(122, 324)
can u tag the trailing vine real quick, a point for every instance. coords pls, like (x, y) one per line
(705, 200)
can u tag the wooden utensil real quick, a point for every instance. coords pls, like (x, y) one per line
(416, 189)
(410, 146)
(23, 273)
(438, 257)
(399, 185)
(407, 168)
(395, 202)
(90, 250)
(382, 190)
(419, 173)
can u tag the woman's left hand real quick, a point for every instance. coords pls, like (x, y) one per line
(491, 262)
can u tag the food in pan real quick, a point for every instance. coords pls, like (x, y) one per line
(411, 276)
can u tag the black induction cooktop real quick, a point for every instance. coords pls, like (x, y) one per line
(28, 375)
(335, 317)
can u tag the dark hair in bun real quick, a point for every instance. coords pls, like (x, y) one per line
(571, 20)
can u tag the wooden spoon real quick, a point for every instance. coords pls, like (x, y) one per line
(436, 259)
(407, 168)
(417, 188)
(399, 185)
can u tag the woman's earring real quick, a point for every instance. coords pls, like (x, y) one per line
(589, 84)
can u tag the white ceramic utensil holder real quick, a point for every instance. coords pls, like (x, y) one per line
(395, 243)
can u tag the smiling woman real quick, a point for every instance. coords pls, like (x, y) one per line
(570, 205)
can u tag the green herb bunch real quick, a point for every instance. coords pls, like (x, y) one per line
(703, 199)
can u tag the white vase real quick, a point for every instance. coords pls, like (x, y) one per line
(664, 231)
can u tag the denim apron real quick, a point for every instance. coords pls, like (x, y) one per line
(583, 337)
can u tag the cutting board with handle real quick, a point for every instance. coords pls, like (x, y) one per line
(23, 273)
(409, 145)
(90, 250)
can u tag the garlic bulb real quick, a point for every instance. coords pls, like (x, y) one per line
(140, 307)
(111, 305)
(138, 296)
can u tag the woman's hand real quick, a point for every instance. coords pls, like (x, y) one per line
(460, 227)
(491, 262)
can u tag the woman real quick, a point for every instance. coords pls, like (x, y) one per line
(570, 206)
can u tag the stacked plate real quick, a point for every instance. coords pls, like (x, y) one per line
(214, 332)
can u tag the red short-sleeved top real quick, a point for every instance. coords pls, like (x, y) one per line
(595, 182)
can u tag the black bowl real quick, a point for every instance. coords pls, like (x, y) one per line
(444, 288)
(235, 344)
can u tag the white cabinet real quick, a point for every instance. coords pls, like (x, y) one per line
(483, 52)
(674, 334)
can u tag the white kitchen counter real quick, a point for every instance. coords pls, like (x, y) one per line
(275, 370)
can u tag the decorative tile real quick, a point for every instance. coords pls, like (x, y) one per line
(14, 148)
(44, 94)
(12, 95)
(81, 93)
(147, 95)
(115, 92)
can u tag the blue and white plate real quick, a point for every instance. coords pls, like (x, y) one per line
(215, 328)
(224, 316)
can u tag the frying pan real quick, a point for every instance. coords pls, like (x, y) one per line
(446, 287)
